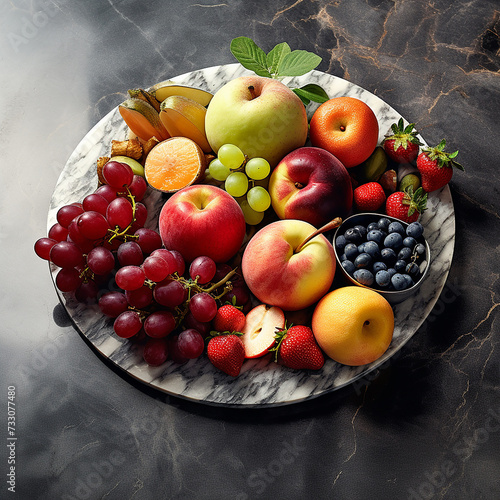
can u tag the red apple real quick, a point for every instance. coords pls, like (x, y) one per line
(202, 220)
(311, 184)
(260, 329)
(279, 275)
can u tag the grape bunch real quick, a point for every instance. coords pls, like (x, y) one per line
(241, 177)
(156, 297)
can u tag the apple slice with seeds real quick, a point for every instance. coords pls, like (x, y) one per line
(260, 329)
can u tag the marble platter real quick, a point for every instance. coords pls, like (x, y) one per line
(261, 382)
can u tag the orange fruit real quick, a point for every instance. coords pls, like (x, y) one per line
(353, 325)
(346, 127)
(174, 164)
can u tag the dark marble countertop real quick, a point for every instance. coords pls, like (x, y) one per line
(425, 426)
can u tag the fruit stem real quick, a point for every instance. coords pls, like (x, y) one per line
(327, 227)
(221, 282)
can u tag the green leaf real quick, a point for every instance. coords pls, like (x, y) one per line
(297, 63)
(276, 55)
(312, 92)
(250, 55)
(305, 100)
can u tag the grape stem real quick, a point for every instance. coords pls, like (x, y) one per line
(327, 227)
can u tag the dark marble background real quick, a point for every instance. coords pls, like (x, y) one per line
(426, 426)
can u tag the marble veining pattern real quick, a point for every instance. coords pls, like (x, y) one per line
(261, 382)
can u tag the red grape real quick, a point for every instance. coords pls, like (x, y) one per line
(101, 261)
(117, 174)
(130, 277)
(43, 247)
(87, 292)
(173, 350)
(68, 280)
(96, 203)
(141, 214)
(168, 258)
(67, 213)
(191, 322)
(155, 352)
(66, 254)
(127, 324)
(112, 304)
(120, 213)
(138, 187)
(92, 225)
(107, 192)
(222, 271)
(159, 324)
(155, 269)
(190, 343)
(181, 264)
(171, 294)
(203, 268)
(203, 307)
(140, 298)
(148, 239)
(130, 254)
(58, 232)
(74, 235)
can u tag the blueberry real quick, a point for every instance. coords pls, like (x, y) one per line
(382, 278)
(404, 253)
(409, 242)
(420, 248)
(394, 241)
(383, 223)
(342, 257)
(362, 230)
(363, 260)
(398, 282)
(409, 280)
(372, 226)
(364, 277)
(348, 267)
(379, 266)
(372, 248)
(400, 266)
(397, 227)
(412, 269)
(351, 251)
(391, 271)
(388, 256)
(340, 242)
(353, 235)
(415, 230)
(361, 248)
(376, 235)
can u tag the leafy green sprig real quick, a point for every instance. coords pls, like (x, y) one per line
(280, 62)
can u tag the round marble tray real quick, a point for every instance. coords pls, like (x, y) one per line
(261, 382)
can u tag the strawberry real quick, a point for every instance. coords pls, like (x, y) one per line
(436, 167)
(406, 205)
(227, 353)
(403, 145)
(369, 197)
(297, 348)
(229, 319)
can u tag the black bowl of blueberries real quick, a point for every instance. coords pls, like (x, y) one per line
(382, 253)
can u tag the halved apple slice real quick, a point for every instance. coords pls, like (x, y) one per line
(184, 117)
(142, 119)
(169, 88)
(260, 329)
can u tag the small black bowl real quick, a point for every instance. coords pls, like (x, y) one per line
(392, 296)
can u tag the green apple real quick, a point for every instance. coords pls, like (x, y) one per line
(260, 115)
